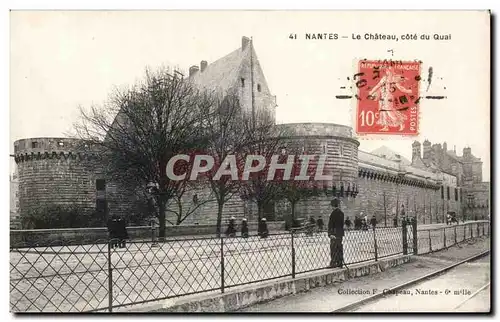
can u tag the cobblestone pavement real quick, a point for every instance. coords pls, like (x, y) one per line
(332, 297)
(444, 293)
(75, 278)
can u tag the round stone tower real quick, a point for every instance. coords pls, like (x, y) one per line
(341, 147)
(52, 171)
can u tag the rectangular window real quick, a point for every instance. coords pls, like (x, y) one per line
(100, 205)
(242, 82)
(100, 184)
(456, 194)
(448, 193)
(442, 192)
(34, 145)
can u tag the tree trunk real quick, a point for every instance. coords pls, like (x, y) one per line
(260, 206)
(220, 207)
(161, 216)
(179, 214)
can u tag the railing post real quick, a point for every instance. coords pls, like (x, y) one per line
(222, 264)
(455, 232)
(465, 232)
(415, 237)
(471, 236)
(375, 244)
(477, 227)
(293, 255)
(430, 242)
(405, 237)
(444, 237)
(110, 279)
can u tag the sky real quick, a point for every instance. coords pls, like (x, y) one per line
(61, 60)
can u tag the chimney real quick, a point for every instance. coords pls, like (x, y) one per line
(203, 65)
(244, 42)
(193, 69)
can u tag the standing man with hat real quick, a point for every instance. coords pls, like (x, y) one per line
(336, 234)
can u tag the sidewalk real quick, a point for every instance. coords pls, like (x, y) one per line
(332, 297)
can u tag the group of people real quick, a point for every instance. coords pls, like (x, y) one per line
(361, 222)
(117, 229)
(315, 224)
(262, 230)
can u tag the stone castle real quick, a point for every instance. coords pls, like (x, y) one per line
(381, 183)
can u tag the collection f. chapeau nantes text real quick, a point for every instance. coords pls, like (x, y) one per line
(369, 36)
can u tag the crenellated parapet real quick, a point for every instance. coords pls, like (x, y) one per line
(402, 178)
(33, 149)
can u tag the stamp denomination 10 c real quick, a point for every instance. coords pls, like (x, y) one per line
(388, 97)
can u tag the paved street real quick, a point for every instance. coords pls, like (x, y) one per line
(335, 296)
(444, 293)
(75, 278)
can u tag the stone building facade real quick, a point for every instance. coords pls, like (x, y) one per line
(436, 182)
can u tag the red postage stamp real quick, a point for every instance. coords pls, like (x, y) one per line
(388, 97)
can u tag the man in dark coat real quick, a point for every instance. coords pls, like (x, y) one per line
(336, 233)
(320, 223)
(244, 228)
(312, 224)
(231, 228)
(262, 231)
(373, 221)
(113, 231)
(348, 223)
(122, 231)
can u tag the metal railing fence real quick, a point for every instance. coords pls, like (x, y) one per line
(96, 276)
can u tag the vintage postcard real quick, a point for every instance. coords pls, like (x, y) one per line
(250, 161)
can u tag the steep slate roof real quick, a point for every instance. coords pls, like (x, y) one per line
(222, 73)
(372, 161)
(389, 154)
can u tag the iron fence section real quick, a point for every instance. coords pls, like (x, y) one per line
(99, 277)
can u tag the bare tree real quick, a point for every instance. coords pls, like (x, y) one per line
(295, 190)
(226, 140)
(183, 208)
(141, 128)
(263, 138)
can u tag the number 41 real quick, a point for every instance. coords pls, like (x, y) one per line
(367, 118)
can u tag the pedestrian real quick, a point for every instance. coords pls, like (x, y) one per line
(348, 223)
(112, 231)
(357, 223)
(312, 224)
(122, 232)
(336, 234)
(263, 232)
(231, 228)
(320, 223)
(373, 221)
(244, 228)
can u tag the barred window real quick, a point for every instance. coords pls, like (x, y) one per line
(100, 184)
